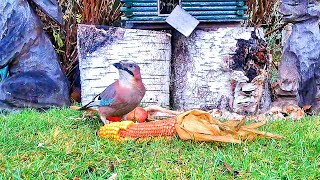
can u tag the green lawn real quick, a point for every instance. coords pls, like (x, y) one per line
(61, 144)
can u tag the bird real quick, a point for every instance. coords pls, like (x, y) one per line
(122, 96)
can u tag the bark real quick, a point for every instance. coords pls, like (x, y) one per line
(99, 48)
(201, 73)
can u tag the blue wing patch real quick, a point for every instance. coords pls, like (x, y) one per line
(106, 102)
(4, 73)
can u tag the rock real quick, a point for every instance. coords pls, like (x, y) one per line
(35, 76)
(299, 71)
(239, 76)
(248, 87)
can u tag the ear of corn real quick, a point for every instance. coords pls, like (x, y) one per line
(129, 129)
(189, 127)
(111, 131)
(150, 129)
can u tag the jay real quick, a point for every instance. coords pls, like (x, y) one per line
(123, 95)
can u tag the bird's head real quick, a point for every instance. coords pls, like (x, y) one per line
(128, 70)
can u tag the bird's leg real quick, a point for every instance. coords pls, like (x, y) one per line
(104, 119)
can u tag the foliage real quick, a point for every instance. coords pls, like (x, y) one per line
(102, 12)
(62, 144)
(64, 38)
(264, 13)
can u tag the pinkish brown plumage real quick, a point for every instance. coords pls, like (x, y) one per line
(123, 95)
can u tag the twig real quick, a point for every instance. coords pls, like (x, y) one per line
(154, 108)
(277, 29)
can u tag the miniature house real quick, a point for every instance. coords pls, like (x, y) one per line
(153, 13)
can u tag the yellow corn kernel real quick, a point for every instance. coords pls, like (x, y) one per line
(111, 130)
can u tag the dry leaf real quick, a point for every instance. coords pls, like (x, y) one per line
(245, 135)
(199, 115)
(182, 133)
(198, 121)
(68, 147)
(306, 107)
(55, 134)
(260, 117)
(157, 109)
(232, 123)
(227, 166)
(289, 109)
(275, 109)
(74, 107)
(209, 138)
(114, 176)
(194, 125)
(297, 114)
(254, 125)
(262, 133)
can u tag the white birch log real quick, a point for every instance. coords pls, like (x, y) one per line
(99, 48)
(201, 76)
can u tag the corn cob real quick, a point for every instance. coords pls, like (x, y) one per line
(111, 131)
(150, 129)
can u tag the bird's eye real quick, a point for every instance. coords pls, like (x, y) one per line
(131, 65)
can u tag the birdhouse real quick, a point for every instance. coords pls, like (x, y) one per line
(145, 14)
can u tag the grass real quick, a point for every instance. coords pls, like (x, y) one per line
(61, 144)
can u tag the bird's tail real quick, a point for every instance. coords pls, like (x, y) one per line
(89, 109)
(88, 106)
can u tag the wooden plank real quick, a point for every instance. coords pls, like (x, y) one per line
(144, 4)
(163, 26)
(201, 4)
(159, 24)
(196, 8)
(194, 13)
(208, 13)
(149, 26)
(215, 8)
(139, 9)
(145, 18)
(186, 0)
(187, 4)
(150, 19)
(213, 0)
(220, 17)
(138, 1)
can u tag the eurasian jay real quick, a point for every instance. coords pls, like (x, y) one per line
(123, 95)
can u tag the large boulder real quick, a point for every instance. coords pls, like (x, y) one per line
(35, 78)
(299, 71)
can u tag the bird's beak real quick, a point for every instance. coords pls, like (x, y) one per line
(122, 67)
(118, 65)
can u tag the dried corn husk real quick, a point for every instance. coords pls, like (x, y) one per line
(199, 125)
